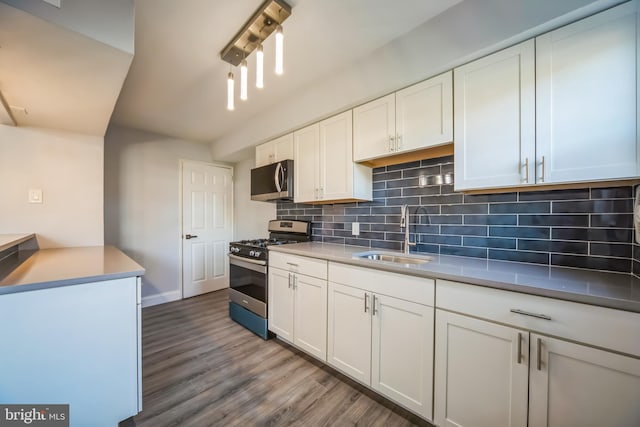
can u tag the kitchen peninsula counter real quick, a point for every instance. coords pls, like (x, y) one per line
(614, 290)
(28, 270)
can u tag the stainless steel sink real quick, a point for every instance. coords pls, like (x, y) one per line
(392, 257)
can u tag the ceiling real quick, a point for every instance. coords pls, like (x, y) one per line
(177, 83)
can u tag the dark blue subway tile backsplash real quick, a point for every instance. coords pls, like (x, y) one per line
(585, 227)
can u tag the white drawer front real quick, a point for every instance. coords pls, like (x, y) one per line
(296, 264)
(603, 327)
(410, 288)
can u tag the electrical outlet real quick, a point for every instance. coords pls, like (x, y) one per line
(35, 195)
(355, 229)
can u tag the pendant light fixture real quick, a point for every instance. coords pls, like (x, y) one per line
(259, 67)
(230, 91)
(243, 80)
(266, 20)
(279, 51)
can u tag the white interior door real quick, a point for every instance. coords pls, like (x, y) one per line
(207, 227)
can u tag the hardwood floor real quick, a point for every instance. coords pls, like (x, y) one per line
(202, 369)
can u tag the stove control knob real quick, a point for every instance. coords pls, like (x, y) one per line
(252, 253)
(256, 254)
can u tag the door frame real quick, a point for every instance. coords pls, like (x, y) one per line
(181, 163)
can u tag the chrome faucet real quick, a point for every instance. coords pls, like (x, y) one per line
(404, 223)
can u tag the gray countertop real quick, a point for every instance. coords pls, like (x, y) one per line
(614, 290)
(48, 268)
(9, 240)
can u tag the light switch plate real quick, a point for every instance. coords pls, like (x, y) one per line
(35, 195)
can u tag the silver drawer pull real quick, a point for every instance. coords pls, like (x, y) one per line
(292, 264)
(519, 347)
(526, 313)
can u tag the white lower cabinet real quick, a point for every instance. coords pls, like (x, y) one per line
(298, 302)
(512, 374)
(479, 378)
(577, 385)
(379, 336)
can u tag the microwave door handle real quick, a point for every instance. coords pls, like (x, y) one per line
(276, 177)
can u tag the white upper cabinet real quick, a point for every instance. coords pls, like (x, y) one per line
(374, 128)
(306, 170)
(275, 150)
(586, 98)
(424, 114)
(414, 118)
(495, 119)
(324, 169)
(563, 111)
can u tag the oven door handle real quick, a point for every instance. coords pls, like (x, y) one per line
(249, 260)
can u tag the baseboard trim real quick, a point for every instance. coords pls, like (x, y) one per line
(162, 298)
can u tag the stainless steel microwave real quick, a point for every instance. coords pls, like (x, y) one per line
(272, 182)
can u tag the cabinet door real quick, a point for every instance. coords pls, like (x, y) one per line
(586, 98)
(336, 158)
(494, 127)
(306, 167)
(310, 319)
(283, 148)
(349, 331)
(281, 300)
(424, 114)
(576, 385)
(374, 128)
(402, 352)
(480, 376)
(265, 154)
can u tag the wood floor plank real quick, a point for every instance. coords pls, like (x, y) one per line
(202, 369)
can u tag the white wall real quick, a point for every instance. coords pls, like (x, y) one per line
(251, 217)
(142, 204)
(68, 167)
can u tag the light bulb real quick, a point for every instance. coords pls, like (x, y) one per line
(279, 50)
(243, 80)
(259, 67)
(230, 91)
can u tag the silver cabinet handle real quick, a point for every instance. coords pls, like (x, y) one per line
(289, 280)
(316, 193)
(321, 193)
(539, 354)
(190, 236)
(519, 347)
(373, 306)
(526, 170)
(527, 313)
(366, 301)
(391, 143)
(398, 142)
(542, 164)
(295, 282)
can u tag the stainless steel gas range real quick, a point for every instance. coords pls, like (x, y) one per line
(248, 282)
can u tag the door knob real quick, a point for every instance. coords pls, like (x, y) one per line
(190, 236)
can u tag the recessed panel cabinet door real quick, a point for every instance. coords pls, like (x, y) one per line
(576, 385)
(306, 167)
(481, 373)
(349, 331)
(374, 128)
(586, 98)
(281, 300)
(310, 318)
(402, 352)
(494, 126)
(424, 114)
(336, 158)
